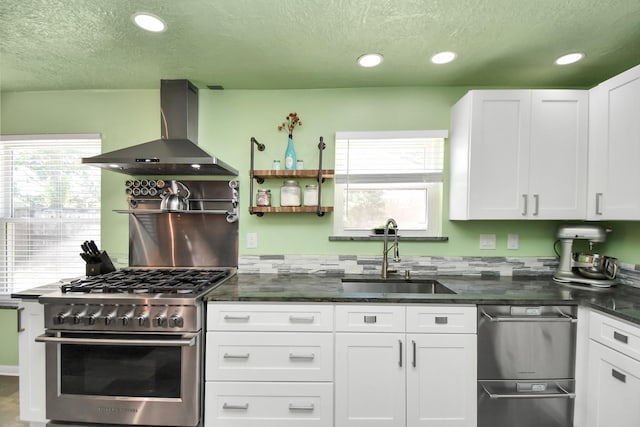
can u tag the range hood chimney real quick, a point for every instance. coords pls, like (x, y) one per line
(177, 152)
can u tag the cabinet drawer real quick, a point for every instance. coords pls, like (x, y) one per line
(446, 319)
(370, 318)
(616, 334)
(269, 317)
(269, 356)
(230, 404)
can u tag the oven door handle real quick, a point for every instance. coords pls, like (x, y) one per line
(188, 341)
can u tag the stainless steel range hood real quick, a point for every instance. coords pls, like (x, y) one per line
(177, 152)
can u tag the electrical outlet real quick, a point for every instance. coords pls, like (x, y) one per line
(487, 241)
(252, 240)
(513, 241)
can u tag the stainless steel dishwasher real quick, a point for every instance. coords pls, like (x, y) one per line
(526, 365)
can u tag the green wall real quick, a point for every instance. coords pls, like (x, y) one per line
(229, 118)
(8, 337)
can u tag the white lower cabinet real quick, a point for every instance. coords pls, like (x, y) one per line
(31, 363)
(388, 373)
(613, 374)
(268, 404)
(269, 365)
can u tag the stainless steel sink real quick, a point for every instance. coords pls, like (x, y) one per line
(394, 286)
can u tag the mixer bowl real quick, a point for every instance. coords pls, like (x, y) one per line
(596, 266)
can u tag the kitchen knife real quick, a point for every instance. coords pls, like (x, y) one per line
(85, 247)
(94, 248)
(85, 257)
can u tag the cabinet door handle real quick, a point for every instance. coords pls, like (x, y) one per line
(400, 358)
(19, 314)
(293, 356)
(619, 375)
(309, 407)
(536, 204)
(598, 203)
(301, 319)
(236, 356)
(232, 318)
(525, 200)
(413, 344)
(620, 337)
(241, 407)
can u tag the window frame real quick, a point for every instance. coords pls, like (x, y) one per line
(434, 190)
(9, 143)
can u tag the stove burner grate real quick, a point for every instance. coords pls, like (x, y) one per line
(170, 281)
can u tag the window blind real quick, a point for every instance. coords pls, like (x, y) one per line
(49, 205)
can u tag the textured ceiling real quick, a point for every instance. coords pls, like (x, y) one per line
(271, 44)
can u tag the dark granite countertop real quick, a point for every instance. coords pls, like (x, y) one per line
(621, 301)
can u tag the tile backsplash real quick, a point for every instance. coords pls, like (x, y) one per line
(629, 274)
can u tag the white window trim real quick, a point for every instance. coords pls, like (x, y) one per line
(434, 190)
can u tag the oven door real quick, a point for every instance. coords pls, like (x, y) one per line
(106, 378)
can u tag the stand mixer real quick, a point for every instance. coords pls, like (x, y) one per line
(587, 268)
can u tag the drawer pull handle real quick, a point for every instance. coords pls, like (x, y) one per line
(301, 319)
(236, 318)
(240, 407)
(236, 356)
(302, 356)
(370, 319)
(619, 376)
(620, 337)
(309, 407)
(442, 320)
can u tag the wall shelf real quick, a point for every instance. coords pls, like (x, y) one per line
(260, 175)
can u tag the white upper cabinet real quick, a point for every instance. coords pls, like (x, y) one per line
(614, 148)
(519, 154)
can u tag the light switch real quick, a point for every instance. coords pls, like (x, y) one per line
(487, 241)
(513, 241)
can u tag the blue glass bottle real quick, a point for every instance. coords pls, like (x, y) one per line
(290, 155)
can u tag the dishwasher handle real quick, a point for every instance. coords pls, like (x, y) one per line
(563, 393)
(561, 317)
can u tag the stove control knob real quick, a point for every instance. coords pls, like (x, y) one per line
(124, 319)
(176, 321)
(160, 320)
(142, 319)
(91, 319)
(108, 319)
(59, 318)
(77, 318)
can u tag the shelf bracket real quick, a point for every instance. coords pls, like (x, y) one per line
(261, 147)
(321, 147)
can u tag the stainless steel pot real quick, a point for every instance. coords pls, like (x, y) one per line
(596, 266)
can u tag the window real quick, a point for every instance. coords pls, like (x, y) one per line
(395, 174)
(50, 204)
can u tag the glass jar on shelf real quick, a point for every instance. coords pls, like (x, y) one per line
(311, 195)
(290, 193)
(263, 197)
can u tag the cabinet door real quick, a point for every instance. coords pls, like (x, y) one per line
(558, 154)
(31, 362)
(614, 388)
(370, 380)
(614, 148)
(498, 154)
(441, 380)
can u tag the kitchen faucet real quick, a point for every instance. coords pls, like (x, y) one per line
(385, 249)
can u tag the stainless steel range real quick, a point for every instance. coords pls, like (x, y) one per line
(126, 348)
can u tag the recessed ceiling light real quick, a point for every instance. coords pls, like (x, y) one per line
(570, 58)
(370, 60)
(443, 57)
(149, 22)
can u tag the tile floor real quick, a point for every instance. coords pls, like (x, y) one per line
(9, 402)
